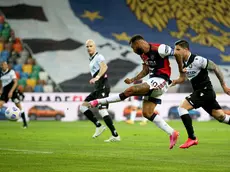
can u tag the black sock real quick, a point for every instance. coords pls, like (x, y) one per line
(24, 119)
(188, 125)
(122, 96)
(151, 118)
(109, 123)
(89, 114)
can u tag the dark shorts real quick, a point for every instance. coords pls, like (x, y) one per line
(205, 98)
(101, 90)
(16, 97)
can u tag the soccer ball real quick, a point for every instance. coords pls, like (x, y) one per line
(13, 113)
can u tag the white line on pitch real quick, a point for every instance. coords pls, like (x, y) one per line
(29, 151)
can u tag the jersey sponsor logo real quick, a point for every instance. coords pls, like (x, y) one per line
(191, 73)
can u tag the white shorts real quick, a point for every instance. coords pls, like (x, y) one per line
(158, 87)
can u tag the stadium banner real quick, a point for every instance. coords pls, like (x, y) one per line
(65, 107)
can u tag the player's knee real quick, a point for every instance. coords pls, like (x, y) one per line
(129, 91)
(83, 107)
(147, 113)
(182, 111)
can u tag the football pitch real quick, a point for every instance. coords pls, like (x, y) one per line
(52, 146)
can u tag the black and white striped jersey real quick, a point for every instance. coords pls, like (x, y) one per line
(196, 72)
(94, 64)
(7, 78)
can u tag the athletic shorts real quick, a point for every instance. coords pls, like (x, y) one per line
(16, 97)
(101, 90)
(158, 86)
(205, 98)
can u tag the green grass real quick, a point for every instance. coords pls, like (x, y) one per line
(69, 147)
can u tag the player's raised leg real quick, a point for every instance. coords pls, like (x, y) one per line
(135, 90)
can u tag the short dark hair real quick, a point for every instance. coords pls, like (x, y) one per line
(135, 38)
(182, 43)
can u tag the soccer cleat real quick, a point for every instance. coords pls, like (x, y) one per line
(94, 103)
(113, 139)
(99, 130)
(189, 143)
(129, 122)
(173, 138)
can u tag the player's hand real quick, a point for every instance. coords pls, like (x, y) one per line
(128, 81)
(93, 80)
(174, 82)
(226, 89)
(184, 70)
(10, 94)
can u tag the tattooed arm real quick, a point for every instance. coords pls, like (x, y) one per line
(213, 67)
(143, 73)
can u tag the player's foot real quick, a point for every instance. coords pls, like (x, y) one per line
(25, 127)
(173, 138)
(99, 130)
(129, 122)
(143, 123)
(94, 103)
(189, 143)
(113, 139)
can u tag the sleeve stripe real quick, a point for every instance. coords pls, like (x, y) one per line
(207, 64)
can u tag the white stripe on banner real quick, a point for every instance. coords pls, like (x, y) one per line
(27, 151)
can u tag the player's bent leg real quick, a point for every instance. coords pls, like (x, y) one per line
(148, 112)
(22, 114)
(135, 90)
(221, 116)
(108, 120)
(187, 121)
(89, 114)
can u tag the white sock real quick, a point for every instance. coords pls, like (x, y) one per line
(110, 99)
(227, 119)
(133, 115)
(103, 112)
(83, 108)
(163, 125)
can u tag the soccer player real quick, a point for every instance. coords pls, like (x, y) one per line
(195, 68)
(8, 89)
(156, 64)
(98, 70)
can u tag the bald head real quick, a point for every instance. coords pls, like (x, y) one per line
(91, 47)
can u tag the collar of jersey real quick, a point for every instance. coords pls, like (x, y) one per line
(188, 59)
(91, 57)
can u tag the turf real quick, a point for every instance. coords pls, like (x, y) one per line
(68, 147)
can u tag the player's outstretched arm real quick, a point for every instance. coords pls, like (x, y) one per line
(142, 74)
(213, 67)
